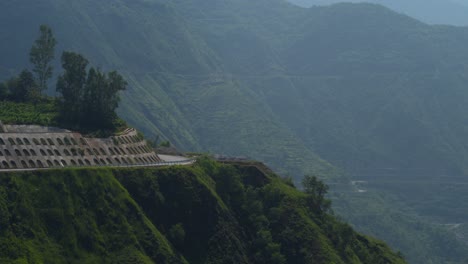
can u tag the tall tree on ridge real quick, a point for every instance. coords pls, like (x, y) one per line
(101, 97)
(41, 56)
(71, 85)
(88, 98)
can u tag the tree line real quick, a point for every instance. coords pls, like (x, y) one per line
(87, 97)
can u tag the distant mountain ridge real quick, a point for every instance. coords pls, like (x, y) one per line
(446, 12)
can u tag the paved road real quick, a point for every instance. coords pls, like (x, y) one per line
(167, 160)
(170, 158)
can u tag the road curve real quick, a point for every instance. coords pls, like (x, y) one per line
(167, 160)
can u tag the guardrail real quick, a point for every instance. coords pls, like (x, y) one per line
(137, 165)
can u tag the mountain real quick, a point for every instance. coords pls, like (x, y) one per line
(348, 92)
(444, 12)
(238, 85)
(210, 213)
(179, 87)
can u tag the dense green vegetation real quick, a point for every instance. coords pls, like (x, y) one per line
(356, 86)
(75, 217)
(209, 213)
(88, 98)
(42, 113)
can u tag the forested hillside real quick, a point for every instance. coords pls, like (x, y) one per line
(210, 213)
(353, 85)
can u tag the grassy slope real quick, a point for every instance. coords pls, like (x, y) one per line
(126, 216)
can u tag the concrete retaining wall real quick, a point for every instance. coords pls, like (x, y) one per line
(39, 147)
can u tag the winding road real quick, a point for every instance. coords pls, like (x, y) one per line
(166, 160)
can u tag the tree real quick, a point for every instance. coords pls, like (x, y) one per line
(316, 191)
(21, 88)
(116, 83)
(101, 97)
(71, 86)
(267, 251)
(177, 235)
(28, 87)
(13, 90)
(3, 91)
(41, 56)
(91, 98)
(88, 99)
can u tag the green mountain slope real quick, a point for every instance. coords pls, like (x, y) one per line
(178, 86)
(210, 213)
(338, 91)
(367, 97)
(279, 86)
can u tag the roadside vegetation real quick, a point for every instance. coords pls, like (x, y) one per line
(44, 113)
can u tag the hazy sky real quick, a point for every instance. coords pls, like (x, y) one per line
(465, 2)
